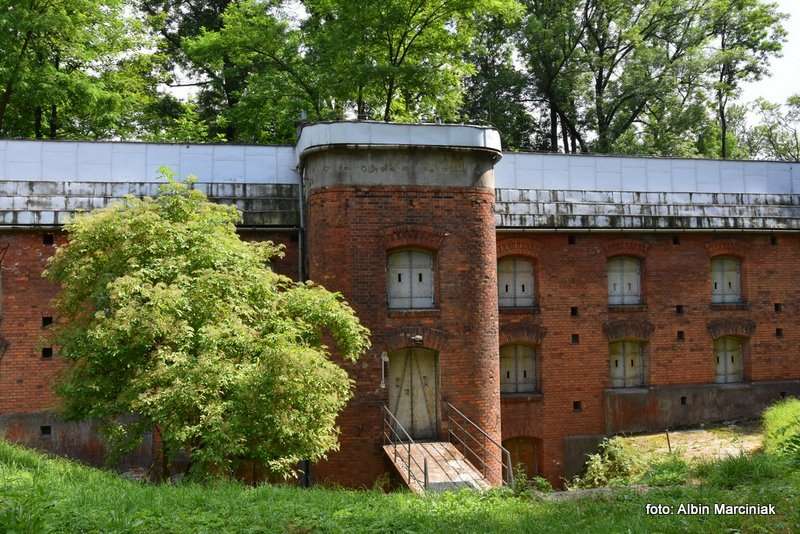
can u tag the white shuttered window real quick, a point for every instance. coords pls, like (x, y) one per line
(627, 364)
(410, 279)
(517, 369)
(726, 280)
(729, 360)
(515, 283)
(624, 280)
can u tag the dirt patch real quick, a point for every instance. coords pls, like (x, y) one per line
(710, 442)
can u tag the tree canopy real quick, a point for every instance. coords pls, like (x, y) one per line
(169, 317)
(660, 77)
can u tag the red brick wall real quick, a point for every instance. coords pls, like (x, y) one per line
(25, 377)
(673, 274)
(289, 264)
(350, 231)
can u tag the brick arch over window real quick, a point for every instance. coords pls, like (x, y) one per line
(413, 236)
(522, 334)
(517, 247)
(620, 329)
(726, 247)
(626, 247)
(731, 327)
(415, 336)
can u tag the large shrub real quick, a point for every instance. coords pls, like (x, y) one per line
(782, 428)
(170, 317)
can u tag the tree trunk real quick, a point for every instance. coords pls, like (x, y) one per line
(9, 90)
(553, 129)
(387, 112)
(53, 121)
(723, 125)
(564, 134)
(37, 122)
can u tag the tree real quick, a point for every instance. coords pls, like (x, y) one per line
(497, 92)
(56, 57)
(778, 130)
(747, 33)
(171, 318)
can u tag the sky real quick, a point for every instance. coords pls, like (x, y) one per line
(784, 79)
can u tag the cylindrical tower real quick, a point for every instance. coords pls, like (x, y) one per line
(400, 220)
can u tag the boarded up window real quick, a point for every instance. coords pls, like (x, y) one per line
(517, 369)
(726, 278)
(410, 279)
(624, 280)
(515, 282)
(626, 359)
(729, 360)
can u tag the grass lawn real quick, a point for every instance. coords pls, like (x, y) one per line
(45, 494)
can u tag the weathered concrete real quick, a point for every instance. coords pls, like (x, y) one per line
(576, 449)
(625, 210)
(51, 203)
(661, 407)
(78, 440)
(399, 166)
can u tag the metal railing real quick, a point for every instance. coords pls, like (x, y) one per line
(468, 436)
(395, 434)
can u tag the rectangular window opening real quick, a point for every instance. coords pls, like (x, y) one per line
(683, 401)
(679, 309)
(778, 307)
(571, 239)
(48, 239)
(45, 430)
(576, 339)
(577, 406)
(676, 240)
(46, 321)
(681, 335)
(773, 240)
(47, 353)
(779, 332)
(573, 311)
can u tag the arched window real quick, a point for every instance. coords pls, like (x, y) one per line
(515, 283)
(726, 280)
(518, 369)
(626, 359)
(729, 359)
(410, 279)
(624, 280)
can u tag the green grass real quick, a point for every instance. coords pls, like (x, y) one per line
(782, 428)
(44, 494)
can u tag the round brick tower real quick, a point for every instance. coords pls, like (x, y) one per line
(400, 220)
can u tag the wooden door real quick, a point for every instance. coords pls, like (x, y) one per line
(413, 392)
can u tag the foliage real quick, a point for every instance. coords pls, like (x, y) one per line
(777, 134)
(54, 495)
(171, 317)
(746, 33)
(782, 429)
(667, 470)
(734, 471)
(614, 464)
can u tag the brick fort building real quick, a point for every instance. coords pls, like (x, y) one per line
(522, 306)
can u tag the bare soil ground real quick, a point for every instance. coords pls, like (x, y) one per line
(710, 442)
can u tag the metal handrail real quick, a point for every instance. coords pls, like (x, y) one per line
(410, 441)
(505, 456)
(387, 422)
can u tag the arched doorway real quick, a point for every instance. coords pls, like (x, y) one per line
(414, 392)
(525, 452)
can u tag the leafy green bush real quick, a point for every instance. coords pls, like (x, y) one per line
(728, 473)
(614, 464)
(782, 428)
(667, 470)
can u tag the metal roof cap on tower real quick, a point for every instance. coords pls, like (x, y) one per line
(322, 135)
